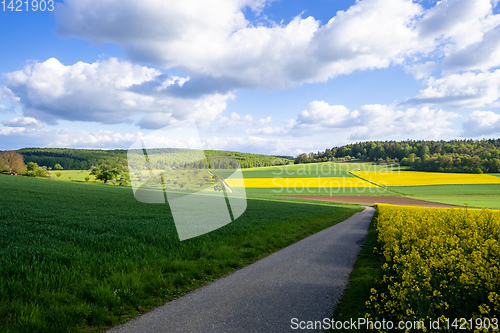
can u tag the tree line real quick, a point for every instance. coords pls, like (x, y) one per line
(75, 159)
(470, 156)
(85, 159)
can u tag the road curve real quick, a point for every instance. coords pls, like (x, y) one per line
(303, 281)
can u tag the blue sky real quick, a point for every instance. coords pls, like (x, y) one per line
(274, 77)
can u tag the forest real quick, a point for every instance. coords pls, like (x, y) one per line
(84, 159)
(471, 156)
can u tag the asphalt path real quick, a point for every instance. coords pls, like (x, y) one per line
(303, 281)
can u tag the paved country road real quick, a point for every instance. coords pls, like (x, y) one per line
(302, 281)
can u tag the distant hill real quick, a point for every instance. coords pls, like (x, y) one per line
(475, 156)
(84, 159)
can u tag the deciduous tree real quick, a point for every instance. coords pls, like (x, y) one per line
(104, 172)
(12, 161)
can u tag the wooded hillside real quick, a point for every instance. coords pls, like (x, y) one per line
(420, 155)
(84, 159)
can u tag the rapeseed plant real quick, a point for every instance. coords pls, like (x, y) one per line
(439, 263)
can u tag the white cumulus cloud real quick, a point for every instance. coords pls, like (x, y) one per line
(170, 34)
(22, 122)
(236, 119)
(462, 90)
(109, 92)
(378, 121)
(373, 121)
(481, 124)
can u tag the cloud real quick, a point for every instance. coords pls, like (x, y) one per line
(482, 55)
(324, 115)
(108, 92)
(461, 90)
(237, 120)
(264, 121)
(21, 137)
(464, 33)
(370, 34)
(462, 21)
(22, 122)
(373, 121)
(268, 130)
(368, 122)
(451, 35)
(381, 121)
(420, 71)
(481, 124)
(170, 34)
(261, 145)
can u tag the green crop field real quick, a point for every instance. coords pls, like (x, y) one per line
(436, 190)
(299, 171)
(258, 192)
(474, 195)
(480, 201)
(326, 169)
(84, 256)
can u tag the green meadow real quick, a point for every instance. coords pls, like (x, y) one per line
(71, 175)
(83, 257)
(327, 192)
(326, 169)
(492, 202)
(473, 195)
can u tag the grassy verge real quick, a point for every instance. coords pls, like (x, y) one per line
(364, 276)
(77, 257)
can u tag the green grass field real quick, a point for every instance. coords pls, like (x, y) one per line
(298, 171)
(83, 257)
(71, 175)
(474, 195)
(259, 192)
(326, 169)
(437, 190)
(492, 202)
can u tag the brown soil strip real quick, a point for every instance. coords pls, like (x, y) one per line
(370, 200)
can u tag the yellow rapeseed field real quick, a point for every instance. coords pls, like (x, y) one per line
(439, 263)
(311, 182)
(417, 178)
